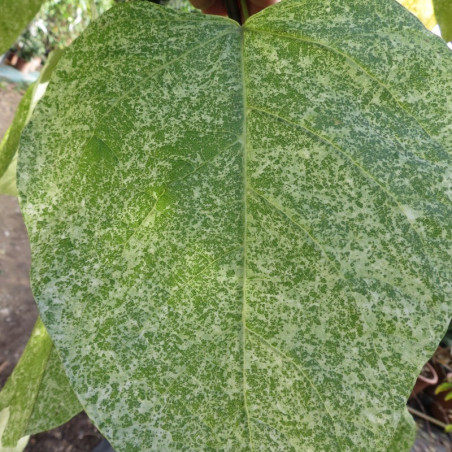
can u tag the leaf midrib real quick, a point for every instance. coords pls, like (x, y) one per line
(245, 189)
(245, 328)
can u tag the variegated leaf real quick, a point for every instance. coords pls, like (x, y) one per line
(241, 235)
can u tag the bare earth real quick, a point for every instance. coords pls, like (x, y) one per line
(9, 99)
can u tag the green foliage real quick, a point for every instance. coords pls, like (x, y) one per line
(30, 44)
(61, 21)
(445, 386)
(37, 396)
(432, 12)
(56, 25)
(10, 143)
(241, 236)
(15, 16)
(443, 13)
(181, 5)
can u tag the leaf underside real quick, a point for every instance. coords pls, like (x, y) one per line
(241, 236)
(10, 144)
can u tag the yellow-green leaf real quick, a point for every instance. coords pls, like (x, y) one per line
(15, 15)
(443, 13)
(9, 145)
(37, 396)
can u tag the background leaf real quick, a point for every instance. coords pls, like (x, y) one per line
(9, 145)
(37, 396)
(432, 12)
(15, 16)
(443, 13)
(241, 237)
(423, 10)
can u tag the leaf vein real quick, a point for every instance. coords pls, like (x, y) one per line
(352, 62)
(303, 373)
(245, 225)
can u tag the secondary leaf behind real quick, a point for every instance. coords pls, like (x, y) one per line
(15, 16)
(443, 13)
(9, 145)
(37, 396)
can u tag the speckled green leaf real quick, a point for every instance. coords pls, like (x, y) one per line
(405, 434)
(15, 15)
(10, 143)
(38, 395)
(241, 236)
(443, 13)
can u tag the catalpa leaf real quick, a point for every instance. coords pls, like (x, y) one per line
(241, 235)
(37, 396)
(14, 17)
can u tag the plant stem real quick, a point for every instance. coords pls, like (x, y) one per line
(245, 13)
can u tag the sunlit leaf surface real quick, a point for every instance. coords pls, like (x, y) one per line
(423, 10)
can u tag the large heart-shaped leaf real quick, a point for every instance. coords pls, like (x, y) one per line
(241, 236)
(38, 395)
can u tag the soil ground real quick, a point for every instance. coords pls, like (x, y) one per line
(18, 314)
